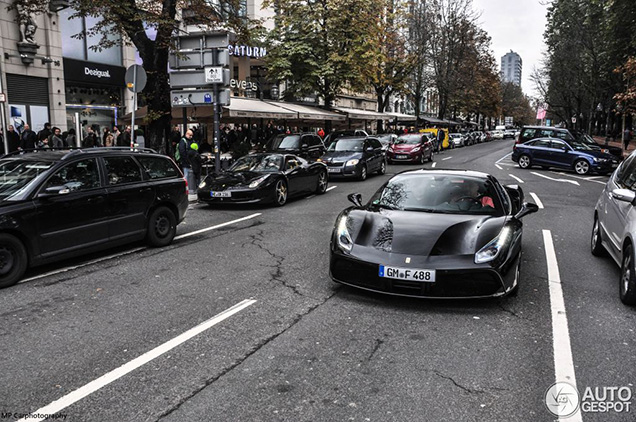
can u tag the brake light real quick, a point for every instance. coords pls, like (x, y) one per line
(186, 182)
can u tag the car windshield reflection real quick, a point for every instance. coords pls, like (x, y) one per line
(15, 175)
(349, 145)
(258, 163)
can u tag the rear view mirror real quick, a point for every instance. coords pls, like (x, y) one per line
(369, 149)
(526, 208)
(304, 147)
(54, 191)
(624, 195)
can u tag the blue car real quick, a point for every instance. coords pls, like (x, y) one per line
(571, 155)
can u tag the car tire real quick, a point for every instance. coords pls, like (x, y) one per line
(422, 158)
(323, 182)
(525, 162)
(628, 278)
(280, 193)
(162, 227)
(581, 167)
(430, 157)
(363, 173)
(597, 244)
(13, 260)
(382, 169)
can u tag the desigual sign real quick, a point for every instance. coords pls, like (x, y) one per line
(244, 85)
(96, 72)
(246, 50)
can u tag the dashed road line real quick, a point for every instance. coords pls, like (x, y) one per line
(218, 226)
(574, 182)
(588, 179)
(563, 362)
(88, 389)
(434, 164)
(503, 158)
(331, 187)
(498, 166)
(516, 178)
(536, 200)
(447, 158)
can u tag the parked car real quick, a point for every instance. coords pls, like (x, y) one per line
(386, 139)
(497, 134)
(457, 139)
(572, 155)
(509, 133)
(345, 132)
(528, 133)
(357, 157)
(411, 147)
(614, 229)
(264, 178)
(432, 233)
(61, 204)
(305, 145)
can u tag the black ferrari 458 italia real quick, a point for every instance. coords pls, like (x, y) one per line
(432, 233)
(267, 177)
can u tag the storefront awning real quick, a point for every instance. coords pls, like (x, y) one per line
(357, 114)
(253, 108)
(310, 113)
(399, 117)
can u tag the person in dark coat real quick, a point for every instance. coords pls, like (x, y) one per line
(13, 139)
(175, 137)
(91, 139)
(28, 138)
(55, 140)
(44, 134)
(71, 138)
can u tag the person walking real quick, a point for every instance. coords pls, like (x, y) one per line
(175, 137)
(196, 163)
(184, 160)
(125, 138)
(71, 138)
(13, 139)
(627, 137)
(440, 140)
(109, 141)
(90, 141)
(55, 140)
(116, 134)
(28, 138)
(43, 135)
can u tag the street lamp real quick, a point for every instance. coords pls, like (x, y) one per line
(57, 5)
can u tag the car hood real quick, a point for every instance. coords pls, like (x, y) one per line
(597, 153)
(421, 233)
(232, 179)
(404, 147)
(340, 156)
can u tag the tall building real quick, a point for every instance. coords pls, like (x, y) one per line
(511, 66)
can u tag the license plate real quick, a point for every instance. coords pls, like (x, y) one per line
(402, 156)
(222, 194)
(411, 274)
(334, 170)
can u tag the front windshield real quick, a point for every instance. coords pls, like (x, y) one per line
(447, 194)
(259, 163)
(16, 174)
(586, 139)
(351, 145)
(409, 140)
(582, 146)
(286, 142)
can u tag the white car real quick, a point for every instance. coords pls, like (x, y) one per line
(497, 134)
(457, 139)
(614, 229)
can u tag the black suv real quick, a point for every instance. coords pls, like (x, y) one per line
(529, 133)
(57, 204)
(306, 145)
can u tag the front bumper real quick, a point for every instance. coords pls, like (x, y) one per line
(406, 157)
(338, 170)
(238, 196)
(462, 282)
(605, 167)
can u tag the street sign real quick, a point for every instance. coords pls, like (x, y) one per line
(573, 120)
(198, 59)
(3, 98)
(139, 84)
(214, 74)
(198, 78)
(204, 40)
(188, 98)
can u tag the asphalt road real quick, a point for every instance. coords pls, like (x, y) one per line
(303, 348)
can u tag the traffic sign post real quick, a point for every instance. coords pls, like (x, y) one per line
(135, 82)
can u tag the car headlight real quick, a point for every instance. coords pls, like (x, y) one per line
(258, 181)
(342, 235)
(416, 149)
(202, 184)
(492, 248)
(352, 162)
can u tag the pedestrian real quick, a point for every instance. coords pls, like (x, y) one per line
(109, 141)
(105, 133)
(125, 138)
(44, 134)
(184, 160)
(28, 138)
(71, 139)
(175, 137)
(196, 163)
(13, 139)
(321, 133)
(55, 139)
(627, 137)
(440, 139)
(90, 141)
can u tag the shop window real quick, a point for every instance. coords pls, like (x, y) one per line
(80, 48)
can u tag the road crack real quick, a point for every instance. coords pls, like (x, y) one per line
(458, 385)
(511, 312)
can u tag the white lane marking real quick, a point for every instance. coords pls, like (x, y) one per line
(498, 166)
(594, 177)
(516, 178)
(574, 182)
(330, 188)
(536, 200)
(447, 158)
(434, 164)
(503, 158)
(120, 254)
(117, 373)
(563, 362)
(581, 178)
(218, 226)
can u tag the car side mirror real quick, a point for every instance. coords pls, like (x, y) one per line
(54, 191)
(526, 208)
(624, 195)
(356, 198)
(369, 149)
(304, 147)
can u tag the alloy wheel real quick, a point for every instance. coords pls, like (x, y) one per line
(524, 161)
(582, 167)
(281, 192)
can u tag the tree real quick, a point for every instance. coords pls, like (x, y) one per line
(130, 19)
(416, 43)
(515, 104)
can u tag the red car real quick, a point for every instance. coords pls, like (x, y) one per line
(411, 147)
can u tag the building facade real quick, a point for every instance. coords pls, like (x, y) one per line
(511, 66)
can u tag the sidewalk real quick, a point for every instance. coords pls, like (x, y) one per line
(619, 144)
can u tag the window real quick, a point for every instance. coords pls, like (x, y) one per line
(528, 134)
(375, 143)
(158, 168)
(626, 174)
(546, 133)
(559, 145)
(541, 143)
(80, 48)
(78, 176)
(291, 163)
(122, 170)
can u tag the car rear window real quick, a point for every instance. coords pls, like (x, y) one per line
(122, 170)
(528, 134)
(159, 167)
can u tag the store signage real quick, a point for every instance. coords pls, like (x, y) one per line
(243, 85)
(96, 72)
(246, 50)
